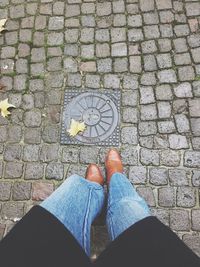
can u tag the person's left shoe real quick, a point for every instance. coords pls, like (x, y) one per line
(94, 174)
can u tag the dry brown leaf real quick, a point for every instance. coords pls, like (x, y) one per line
(2, 25)
(4, 106)
(76, 127)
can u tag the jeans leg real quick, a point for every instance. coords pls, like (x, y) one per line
(125, 206)
(76, 203)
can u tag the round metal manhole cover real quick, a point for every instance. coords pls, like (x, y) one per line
(99, 112)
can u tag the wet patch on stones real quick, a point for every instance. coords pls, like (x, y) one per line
(99, 110)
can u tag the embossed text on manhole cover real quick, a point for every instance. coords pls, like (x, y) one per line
(99, 110)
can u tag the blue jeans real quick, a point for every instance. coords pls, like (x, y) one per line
(77, 202)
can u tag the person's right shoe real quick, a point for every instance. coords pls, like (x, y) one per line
(94, 174)
(113, 164)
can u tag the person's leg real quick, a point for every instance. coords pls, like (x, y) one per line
(76, 203)
(125, 206)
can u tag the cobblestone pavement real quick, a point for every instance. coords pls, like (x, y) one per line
(150, 49)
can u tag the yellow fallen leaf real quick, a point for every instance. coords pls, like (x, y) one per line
(4, 105)
(76, 127)
(2, 24)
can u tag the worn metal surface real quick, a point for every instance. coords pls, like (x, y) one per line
(99, 110)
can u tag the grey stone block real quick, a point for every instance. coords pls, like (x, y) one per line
(5, 190)
(166, 127)
(170, 158)
(194, 107)
(149, 157)
(147, 128)
(102, 50)
(149, 47)
(195, 125)
(135, 35)
(178, 177)
(182, 59)
(138, 174)
(56, 23)
(92, 81)
(55, 38)
(129, 155)
(163, 92)
(50, 134)
(186, 197)
(49, 152)
(196, 178)
(182, 123)
(118, 6)
(161, 141)
(146, 141)
(120, 65)
(3, 134)
(32, 118)
(186, 73)
(55, 171)
(158, 176)
(129, 98)
(21, 191)
(164, 61)
(87, 35)
(118, 35)
(164, 110)
(166, 197)
(181, 30)
(179, 220)
(148, 78)
(130, 82)
(130, 115)
(31, 153)
(196, 143)
(119, 49)
(178, 141)
(72, 11)
(196, 220)
(148, 112)
(102, 35)
(74, 79)
(149, 63)
(34, 171)
(151, 32)
(104, 65)
(70, 155)
(192, 159)
(111, 81)
(12, 210)
(70, 64)
(151, 18)
(167, 76)
(32, 135)
(12, 152)
(88, 154)
(13, 170)
(103, 9)
(129, 135)
(147, 95)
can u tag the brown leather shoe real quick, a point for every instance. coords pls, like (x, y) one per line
(113, 164)
(94, 174)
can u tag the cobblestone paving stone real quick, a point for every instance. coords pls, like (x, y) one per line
(148, 49)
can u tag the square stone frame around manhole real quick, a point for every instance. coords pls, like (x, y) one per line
(112, 99)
